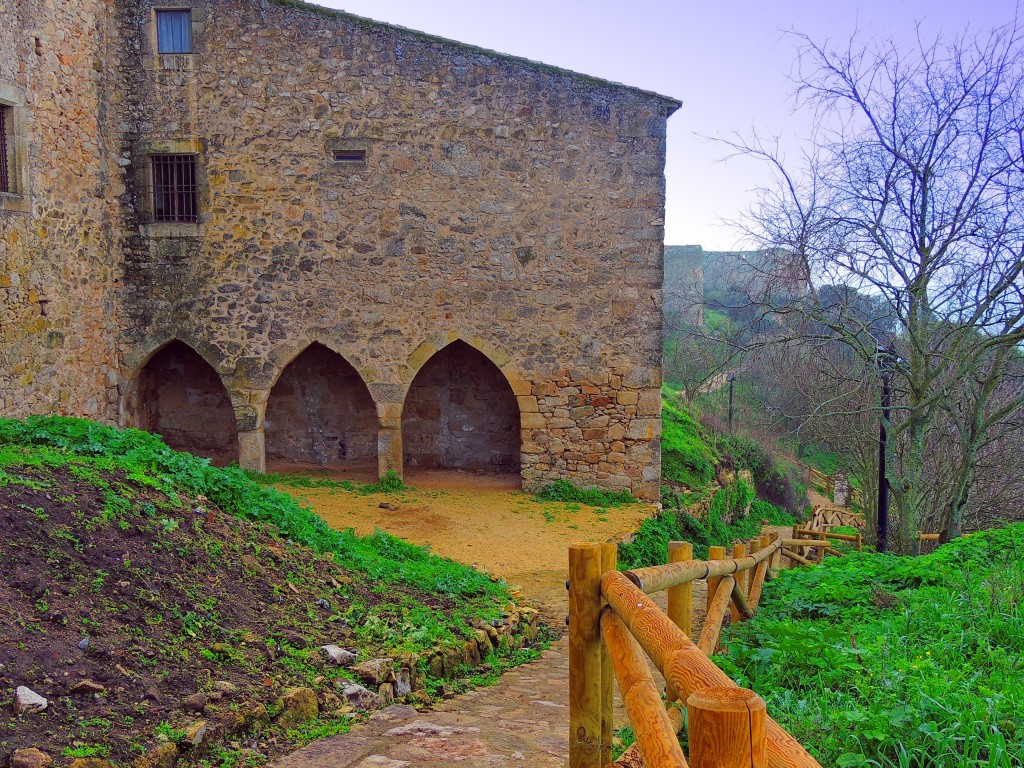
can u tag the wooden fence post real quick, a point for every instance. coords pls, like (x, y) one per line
(609, 560)
(680, 601)
(738, 551)
(727, 728)
(777, 557)
(860, 541)
(585, 655)
(714, 553)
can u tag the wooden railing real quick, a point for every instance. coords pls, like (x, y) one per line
(611, 618)
(857, 539)
(827, 484)
(822, 519)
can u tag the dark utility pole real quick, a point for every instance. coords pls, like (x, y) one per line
(885, 362)
(730, 378)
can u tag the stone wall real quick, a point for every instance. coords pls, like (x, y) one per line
(460, 412)
(507, 204)
(321, 413)
(502, 203)
(59, 245)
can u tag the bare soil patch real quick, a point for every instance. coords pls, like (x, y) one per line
(153, 602)
(484, 520)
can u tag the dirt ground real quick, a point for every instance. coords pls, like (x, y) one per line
(483, 520)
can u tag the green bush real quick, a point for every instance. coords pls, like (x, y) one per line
(771, 480)
(881, 660)
(650, 543)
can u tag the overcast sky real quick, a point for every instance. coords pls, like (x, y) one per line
(728, 62)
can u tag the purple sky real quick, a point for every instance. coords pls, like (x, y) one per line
(728, 62)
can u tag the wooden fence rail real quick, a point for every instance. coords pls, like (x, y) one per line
(827, 484)
(612, 622)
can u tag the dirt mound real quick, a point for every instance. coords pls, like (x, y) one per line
(134, 613)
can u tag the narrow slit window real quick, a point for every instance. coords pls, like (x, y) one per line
(5, 154)
(174, 31)
(175, 194)
(350, 155)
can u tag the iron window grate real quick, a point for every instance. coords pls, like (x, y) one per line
(174, 188)
(5, 161)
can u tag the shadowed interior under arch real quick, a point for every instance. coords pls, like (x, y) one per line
(321, 412)
(461, 413)
(181, 397)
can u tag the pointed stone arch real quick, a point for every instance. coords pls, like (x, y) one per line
(460, 411)
(177, 393)
(320, 412)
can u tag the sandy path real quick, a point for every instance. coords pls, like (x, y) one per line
(483, 520)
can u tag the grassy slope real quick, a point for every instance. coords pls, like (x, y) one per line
(880, 660)
(688, 461)
(156, 557)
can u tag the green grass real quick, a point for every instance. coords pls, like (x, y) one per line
(650, 543)
(89, 448)
(563, 490)
(686, 456)
(894, 662)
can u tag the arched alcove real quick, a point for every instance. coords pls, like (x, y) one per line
(320, 412)
(461, 413)
(181, 397)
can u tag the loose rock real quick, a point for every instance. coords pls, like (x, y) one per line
(297, 706)
(27, 701)
(30, 758)
(294, 639)
(338, 655)
(197, 734)
(358, 697)
(223, 686)
(375, 671)
(195, 703)
(86, 687)
(163, 755)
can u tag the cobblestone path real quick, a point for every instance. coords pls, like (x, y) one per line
(522, 722)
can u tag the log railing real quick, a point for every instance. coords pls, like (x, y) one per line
(817, 479)
(613, 622)
(820, 541)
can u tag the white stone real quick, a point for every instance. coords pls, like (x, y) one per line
(338, 655)
(26, 701)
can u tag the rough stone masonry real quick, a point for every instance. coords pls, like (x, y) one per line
(407, 252)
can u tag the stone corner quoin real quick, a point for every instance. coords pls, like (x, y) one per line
(396, 250)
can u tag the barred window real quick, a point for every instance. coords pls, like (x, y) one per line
(6, 148)
(174, 31)
(175, 195)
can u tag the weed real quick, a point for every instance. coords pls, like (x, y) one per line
(563, 490)
(930, 678)
(87, 750)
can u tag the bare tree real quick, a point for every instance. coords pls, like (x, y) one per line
(912, 194)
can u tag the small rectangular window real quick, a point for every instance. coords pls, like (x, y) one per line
(175, 194)
(174, 31)
(350, 155)
(6, 145)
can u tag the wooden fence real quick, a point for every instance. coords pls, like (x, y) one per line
(611, 618)
(827, 485)
(822, 519)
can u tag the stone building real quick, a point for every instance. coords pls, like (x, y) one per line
(268, 230)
